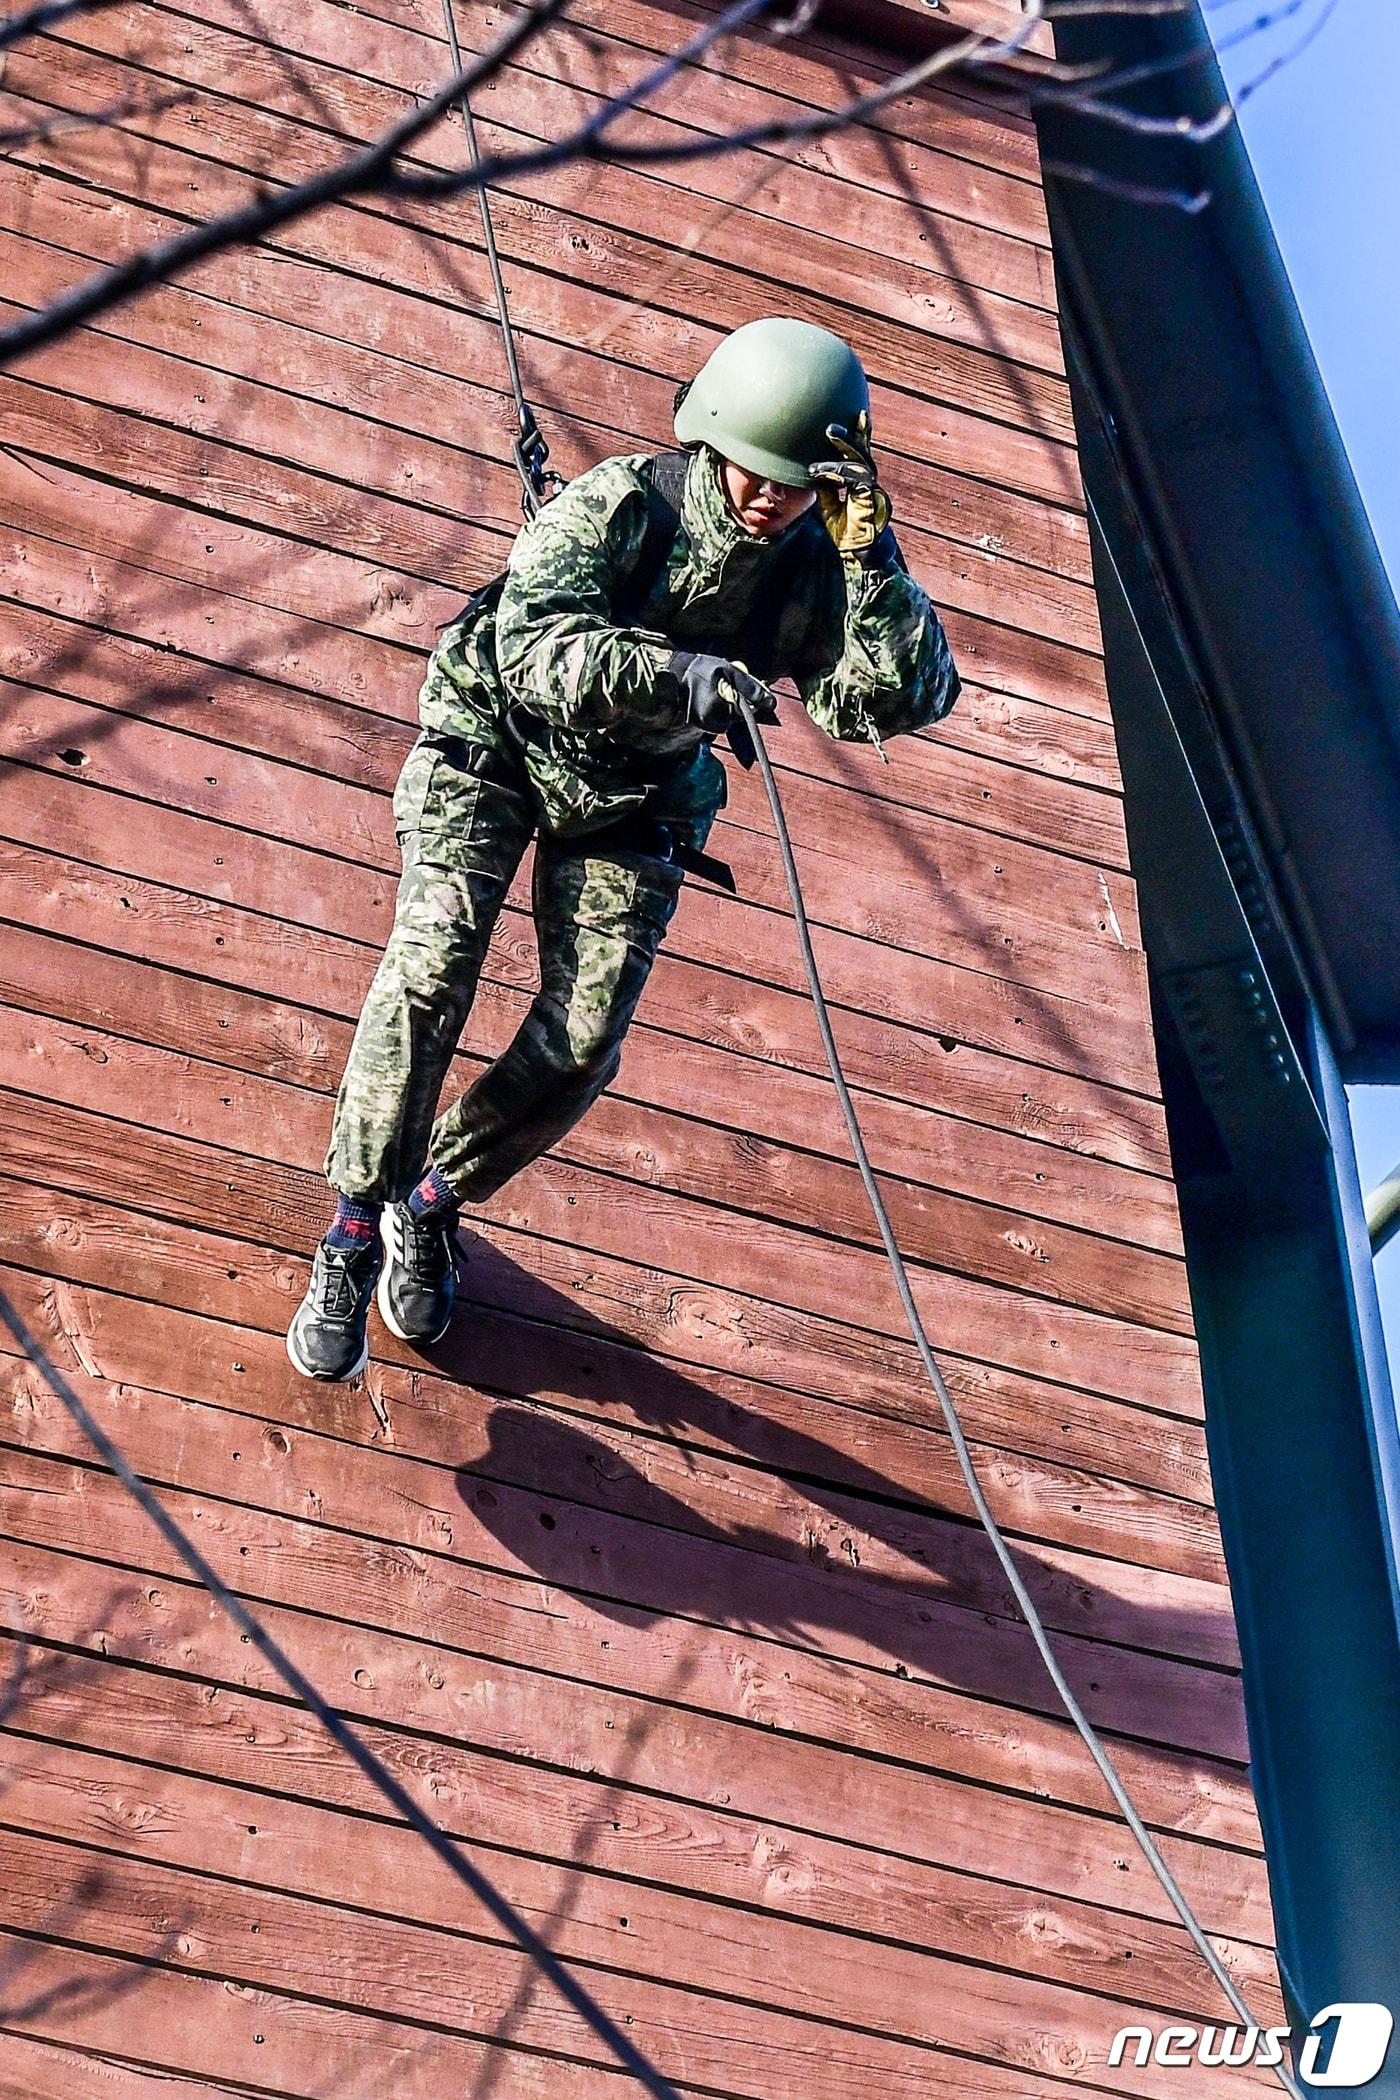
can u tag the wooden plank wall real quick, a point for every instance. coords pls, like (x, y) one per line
(659, 1584)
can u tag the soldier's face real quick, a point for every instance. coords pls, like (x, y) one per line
(763, 508)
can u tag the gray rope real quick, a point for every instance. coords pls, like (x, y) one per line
(492, 252)
(529, 450)
(989, 1523)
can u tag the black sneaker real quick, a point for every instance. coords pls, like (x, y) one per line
(327, 1336)
(418, 1282)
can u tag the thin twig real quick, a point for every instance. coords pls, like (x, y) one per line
(358, 172)
(46, 16)
(1188, 201)
(1113, 83)
(978, 47)
(1286, 58)
(1195, 131)
(1073, 10)
(84, 120)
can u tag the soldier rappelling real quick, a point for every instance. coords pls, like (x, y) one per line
(576, 702)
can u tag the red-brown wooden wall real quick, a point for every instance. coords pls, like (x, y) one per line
(659, 1585)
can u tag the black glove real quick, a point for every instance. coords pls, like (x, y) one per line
(709, 685)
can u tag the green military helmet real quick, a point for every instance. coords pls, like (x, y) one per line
(765, 396)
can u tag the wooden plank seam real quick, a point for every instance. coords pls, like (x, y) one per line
(394, 1792)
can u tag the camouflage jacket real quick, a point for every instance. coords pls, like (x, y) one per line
(554, 644)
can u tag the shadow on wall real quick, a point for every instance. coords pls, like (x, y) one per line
(69, 1896)
(640, 1554)
(663, 1557)
(920, 1621)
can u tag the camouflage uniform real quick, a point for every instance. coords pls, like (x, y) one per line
(583, 674)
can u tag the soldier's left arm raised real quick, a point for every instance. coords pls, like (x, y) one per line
(882, 659)
(882, 662)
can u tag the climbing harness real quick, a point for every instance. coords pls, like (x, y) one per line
(646, 836)
(651, 839)
(538, 483)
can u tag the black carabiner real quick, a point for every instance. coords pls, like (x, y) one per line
(538, 485)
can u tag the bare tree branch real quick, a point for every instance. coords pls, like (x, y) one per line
(1074, 10)
(87, 120)
(45, 16)
(378, 168)
(1115, 82)
(1195, 131)
(1284, 58)
(358, 172)
(588, 140)
(1188, 201)
(375, 168)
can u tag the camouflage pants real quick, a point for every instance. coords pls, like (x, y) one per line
(599, 919)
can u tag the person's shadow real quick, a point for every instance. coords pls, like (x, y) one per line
(883, 1569)
(917, 1584)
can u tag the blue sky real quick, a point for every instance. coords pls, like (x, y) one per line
(1324, 136)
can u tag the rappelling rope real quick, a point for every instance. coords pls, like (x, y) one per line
(529, 450)
(980, 1503)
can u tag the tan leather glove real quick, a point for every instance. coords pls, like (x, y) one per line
(852, 505)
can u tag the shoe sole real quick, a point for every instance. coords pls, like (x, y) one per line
(326, 1377)
(381, 1294)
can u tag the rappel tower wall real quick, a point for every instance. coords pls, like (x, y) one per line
(659, 1584)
